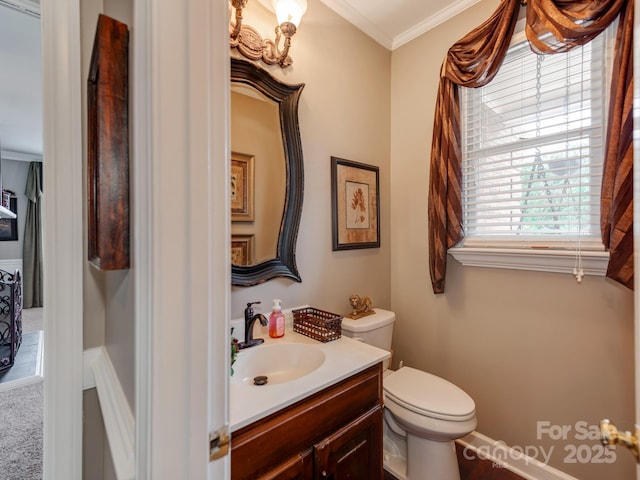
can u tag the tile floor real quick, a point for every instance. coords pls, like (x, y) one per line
(28, 359)
(27, 367)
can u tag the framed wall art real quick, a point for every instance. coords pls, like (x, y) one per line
(355, 204)
(242, 248)
(108, 147)
(9, 226)
(242, 187)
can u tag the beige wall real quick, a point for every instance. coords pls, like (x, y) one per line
(344, 111)
(255, 129)
(119, 286)
(527, 346)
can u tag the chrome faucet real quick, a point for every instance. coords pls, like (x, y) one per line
(249, 320)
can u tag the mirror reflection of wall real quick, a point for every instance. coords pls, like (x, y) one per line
(255, 132)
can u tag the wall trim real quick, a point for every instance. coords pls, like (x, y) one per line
(346, 11)
(181, 110)
(11, 265)
(28, 7)
(555, 261)
(62, 239)
(518, 463)
(116, 413)
(450, 11)
(342, 8)
(20, 156)
(88, 357)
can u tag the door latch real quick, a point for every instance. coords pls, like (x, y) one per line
(609, 435)
(219, 443)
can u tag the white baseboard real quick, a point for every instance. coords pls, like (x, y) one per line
(483, 447)
(11, 265)
(116, 413)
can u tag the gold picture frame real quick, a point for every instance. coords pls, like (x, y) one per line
(242, 187)
(355, 202)
(242, 249)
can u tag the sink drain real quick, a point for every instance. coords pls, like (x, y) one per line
(260, 380)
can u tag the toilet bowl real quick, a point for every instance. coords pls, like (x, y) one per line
(424, 414)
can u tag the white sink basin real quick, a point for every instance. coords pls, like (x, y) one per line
(280, 363)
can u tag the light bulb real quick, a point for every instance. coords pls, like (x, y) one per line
(289, 10)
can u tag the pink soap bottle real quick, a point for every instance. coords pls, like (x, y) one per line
(276, 320)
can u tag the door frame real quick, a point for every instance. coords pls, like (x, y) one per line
(62, 239)
(193, 35)
(182, 246)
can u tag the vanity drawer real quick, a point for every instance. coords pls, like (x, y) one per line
(268, 443)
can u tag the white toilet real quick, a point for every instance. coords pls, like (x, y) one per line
(423, 415)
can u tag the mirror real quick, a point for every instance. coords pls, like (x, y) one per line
(267, 175)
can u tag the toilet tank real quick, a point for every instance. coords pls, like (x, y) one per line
(376, 329)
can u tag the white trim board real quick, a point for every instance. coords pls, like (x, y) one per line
(513, 460)
(356, 18)
(11, 265)
(116, 413)
(28, 7)
(555, 261)
(20, 156)
(62, 239)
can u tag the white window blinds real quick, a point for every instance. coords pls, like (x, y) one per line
(533, 142)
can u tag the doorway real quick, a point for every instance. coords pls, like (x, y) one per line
(21, 147)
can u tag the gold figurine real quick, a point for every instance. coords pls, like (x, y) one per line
(361, 307)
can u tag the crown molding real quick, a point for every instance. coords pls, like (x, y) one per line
(28, 7)
(433, 21)
(20, 156)
(352, 15)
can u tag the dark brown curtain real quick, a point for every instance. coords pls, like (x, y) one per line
(616, 208)
(474, 60)
(471, 62)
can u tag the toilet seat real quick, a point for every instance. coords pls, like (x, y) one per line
(428, 395)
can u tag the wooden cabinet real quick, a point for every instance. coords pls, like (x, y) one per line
(300, 467)
(334, 434)
(353, 452)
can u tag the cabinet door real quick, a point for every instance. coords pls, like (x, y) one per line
(354, 452)
(300, 467)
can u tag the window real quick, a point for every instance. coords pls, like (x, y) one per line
(532, 151)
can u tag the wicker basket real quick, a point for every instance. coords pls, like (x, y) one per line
(317, 324)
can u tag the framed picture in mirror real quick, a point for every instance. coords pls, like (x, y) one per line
(355, 202)
(242, 187)
(242, 248)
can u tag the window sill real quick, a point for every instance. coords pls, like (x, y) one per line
(559, 261)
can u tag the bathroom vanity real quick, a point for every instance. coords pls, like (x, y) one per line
(335, 433)
(326, 423)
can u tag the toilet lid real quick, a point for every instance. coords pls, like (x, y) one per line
(370, 322)
(428, 395)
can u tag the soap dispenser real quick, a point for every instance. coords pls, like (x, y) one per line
(276, 320)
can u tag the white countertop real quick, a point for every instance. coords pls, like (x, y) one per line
(343, 358)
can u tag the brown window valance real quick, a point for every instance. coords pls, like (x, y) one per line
(552, 26)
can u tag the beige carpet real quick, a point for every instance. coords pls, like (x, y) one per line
(21, 411)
